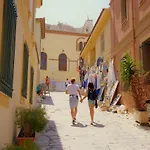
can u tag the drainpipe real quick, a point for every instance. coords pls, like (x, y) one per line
(133, 30)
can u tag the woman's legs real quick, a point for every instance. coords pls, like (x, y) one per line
(91, 107)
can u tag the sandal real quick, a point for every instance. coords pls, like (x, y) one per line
(73, 121)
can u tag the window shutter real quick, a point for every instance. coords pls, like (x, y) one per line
(43, 61)
(62, 62)
(31, 84)
(25, 71)
(80, 46)
(8, 48)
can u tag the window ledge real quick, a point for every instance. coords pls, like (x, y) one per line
(124, 22)
(22, 100)
(141, 3)
(4, 100)
(62, 70)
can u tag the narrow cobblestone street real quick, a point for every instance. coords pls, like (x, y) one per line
(112, 132)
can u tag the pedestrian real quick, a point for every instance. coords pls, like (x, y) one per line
(73, 91)
(38, 90)
(47, 83)
(67, 82)
(39, 93)
(91, 95)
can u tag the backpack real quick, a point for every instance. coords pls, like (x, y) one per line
(92, 94)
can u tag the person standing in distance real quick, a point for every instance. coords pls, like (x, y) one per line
(73, 91)
(47, 83)
(67, 82)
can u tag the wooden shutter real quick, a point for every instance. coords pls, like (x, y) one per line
(43, 61)
(80, 46)
(62, 62)
(31, 84)
(25, 71)
(123, 10)
(8, 48)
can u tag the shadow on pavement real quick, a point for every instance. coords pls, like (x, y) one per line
(145, 126)
(50, 139)
(80, 125)
(48, 101)
(98, 125)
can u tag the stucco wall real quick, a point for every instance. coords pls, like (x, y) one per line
(122, 35)
(8, 105)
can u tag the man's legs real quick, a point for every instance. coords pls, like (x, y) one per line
(73, 113)
(76, 110)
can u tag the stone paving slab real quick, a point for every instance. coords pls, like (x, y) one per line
(112, 132)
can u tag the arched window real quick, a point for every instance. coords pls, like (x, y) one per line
(62, 62)
(43, 61)
(80, 46)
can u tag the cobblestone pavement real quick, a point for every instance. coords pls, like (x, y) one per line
(112, 132)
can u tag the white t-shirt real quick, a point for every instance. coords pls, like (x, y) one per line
(73, 89)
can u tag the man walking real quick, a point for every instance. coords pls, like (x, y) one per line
(73, 91)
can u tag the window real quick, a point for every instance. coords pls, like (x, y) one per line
(8, 48)
(31, 83)
(25, 71)
(124, 10)
(62, 62)
(43, 61)
(80, 46)
(102, 43)
(146, 55)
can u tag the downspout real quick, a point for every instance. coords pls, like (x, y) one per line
(112, 28)
(133, 30)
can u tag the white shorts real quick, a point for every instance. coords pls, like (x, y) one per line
(73, 101)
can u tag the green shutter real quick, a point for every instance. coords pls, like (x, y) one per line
(8, 48)
(31, 83)
(25, 71)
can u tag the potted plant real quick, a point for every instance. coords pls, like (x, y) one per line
(134, 81)
(27, 145)
(30, 121)
(140, 94)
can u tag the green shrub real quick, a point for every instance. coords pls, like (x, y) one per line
(28, 145)
(128, 68)
(34, 117)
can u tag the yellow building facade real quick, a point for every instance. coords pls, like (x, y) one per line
(99, 41)
(60, 53)
(19, 61)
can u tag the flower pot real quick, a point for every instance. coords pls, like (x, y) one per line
(128, 101)
(21, 138)
(141, 116)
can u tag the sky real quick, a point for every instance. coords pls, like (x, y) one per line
(72, 12)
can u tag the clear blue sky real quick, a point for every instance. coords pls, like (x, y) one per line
(72, 12)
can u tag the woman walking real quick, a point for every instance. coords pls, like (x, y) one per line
(91, 94)
(73, 91)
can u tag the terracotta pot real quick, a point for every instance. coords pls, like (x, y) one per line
(141, 116)
(128, 101)
(27, 130)
(21, 138)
